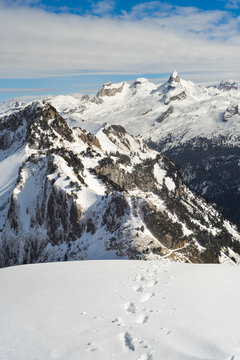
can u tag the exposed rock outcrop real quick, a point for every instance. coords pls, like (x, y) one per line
(164, 115)
(174, 77)
(109, 90)
(231, 111)
(181, 96)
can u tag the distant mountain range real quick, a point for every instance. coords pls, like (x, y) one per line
(76, 185)
(198, 127)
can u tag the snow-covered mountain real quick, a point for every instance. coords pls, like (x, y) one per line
(198, 127)
(66, 194)
(135, 310)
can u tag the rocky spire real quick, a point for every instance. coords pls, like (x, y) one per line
(174, 77)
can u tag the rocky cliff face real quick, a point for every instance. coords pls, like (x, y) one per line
(210, 168)
(74, 195)
(110, 90)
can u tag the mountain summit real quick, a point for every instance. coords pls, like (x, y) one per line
(174, 77)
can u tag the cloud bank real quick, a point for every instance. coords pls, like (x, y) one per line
(154, 37)
(24, 90)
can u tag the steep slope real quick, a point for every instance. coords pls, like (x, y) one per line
(197, 127)
(73, 195)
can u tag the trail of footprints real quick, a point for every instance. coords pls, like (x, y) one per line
(144, 285)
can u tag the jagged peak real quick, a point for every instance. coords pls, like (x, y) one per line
(174, 77)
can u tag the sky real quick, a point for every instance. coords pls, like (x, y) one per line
(60, 47)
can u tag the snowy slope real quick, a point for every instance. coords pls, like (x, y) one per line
(120, 310)
(8, 179)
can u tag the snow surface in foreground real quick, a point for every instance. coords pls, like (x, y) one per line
(120, 310)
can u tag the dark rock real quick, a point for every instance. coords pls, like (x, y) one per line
(164, 115)
(106, 91)
(231, 111)
(174, 77)
(180, 96)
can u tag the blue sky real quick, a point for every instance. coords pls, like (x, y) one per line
(117, 7)
(60, 47)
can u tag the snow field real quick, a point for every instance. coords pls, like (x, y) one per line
(120, 309)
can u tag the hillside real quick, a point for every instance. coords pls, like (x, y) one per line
(67, 194)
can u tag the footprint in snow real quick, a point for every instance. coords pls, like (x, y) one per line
(142, 318)
(119, 322)
(98, 317)
(146, 355)
(83, 313)
(152, 283)
(130, 307)
(166, 331)
(91, 347)
(137, 288)
(128, 341)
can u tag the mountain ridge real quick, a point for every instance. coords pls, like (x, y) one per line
(181, 120)
(77, 195)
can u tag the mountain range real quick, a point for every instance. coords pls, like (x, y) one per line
(91, 178)
(198, 127)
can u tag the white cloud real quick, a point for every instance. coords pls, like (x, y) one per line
(24, 90)
(38, 43)
(103, 7)
(232, 4)
(15, 3)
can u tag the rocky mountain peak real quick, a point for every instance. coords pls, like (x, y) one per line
(174, 77)
(110, 89)
(173, 89)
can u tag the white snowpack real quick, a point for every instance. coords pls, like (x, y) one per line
(9, 173)
(159, 174)
(94, 184)
(106, 144)
(230, 228)
(8, 177)
(87, 198)
(170, 183)
(102, 310)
